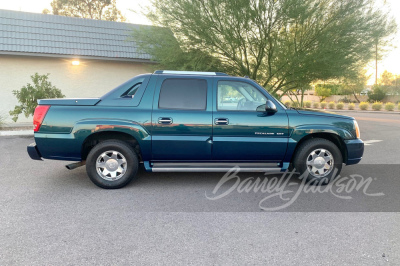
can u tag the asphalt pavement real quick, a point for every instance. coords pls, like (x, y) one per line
(52, 216)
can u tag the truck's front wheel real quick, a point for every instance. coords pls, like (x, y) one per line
(318, 160)
(112, 164)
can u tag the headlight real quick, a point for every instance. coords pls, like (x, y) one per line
(357, 129)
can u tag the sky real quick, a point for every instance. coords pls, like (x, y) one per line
(131, 10)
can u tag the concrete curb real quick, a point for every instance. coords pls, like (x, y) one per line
(355, 111)
(359, 111)
(17, 133)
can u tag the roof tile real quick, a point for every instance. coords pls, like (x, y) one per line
(49, 34)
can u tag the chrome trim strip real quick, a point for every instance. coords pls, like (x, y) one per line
(214, 165)
(189, 73)
(213, 169)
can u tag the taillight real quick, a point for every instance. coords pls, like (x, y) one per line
(38, 116)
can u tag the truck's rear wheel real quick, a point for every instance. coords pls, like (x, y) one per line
(318, 160)
(112, 164)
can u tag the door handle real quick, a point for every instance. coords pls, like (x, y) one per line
(221, 121)
(165, 120)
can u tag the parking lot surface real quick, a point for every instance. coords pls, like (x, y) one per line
(52, 216)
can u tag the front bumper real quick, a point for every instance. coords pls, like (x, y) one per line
(33, 152)
(355, 150)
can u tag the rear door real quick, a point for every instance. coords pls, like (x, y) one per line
(240, 133)
(182, 118)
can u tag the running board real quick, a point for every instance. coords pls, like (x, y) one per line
(215, 167)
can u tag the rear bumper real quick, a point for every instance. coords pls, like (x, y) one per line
(33, 152)
(355, 151)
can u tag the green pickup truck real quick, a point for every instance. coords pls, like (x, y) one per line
(177, 121)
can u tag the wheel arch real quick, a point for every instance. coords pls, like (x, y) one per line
(95, 138)
(334, 138)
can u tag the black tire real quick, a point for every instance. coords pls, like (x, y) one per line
(131, 169)
(302, 155)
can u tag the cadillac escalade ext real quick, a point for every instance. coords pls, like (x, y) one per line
(177, 121)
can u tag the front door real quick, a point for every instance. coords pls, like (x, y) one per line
(182, 119)
(240, 133)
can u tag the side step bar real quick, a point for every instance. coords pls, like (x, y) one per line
(215, 167)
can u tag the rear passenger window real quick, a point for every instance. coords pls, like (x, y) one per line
(188, 94)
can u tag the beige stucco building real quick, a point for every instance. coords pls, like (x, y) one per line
(85, 58)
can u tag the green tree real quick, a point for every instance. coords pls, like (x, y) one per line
(300, 90)
(390, 82)
(94, 9)
(281, 44)
(166, 50)
(322, 91)
(28, 95)
(354, 84)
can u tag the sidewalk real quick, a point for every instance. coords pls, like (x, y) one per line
(17, 129)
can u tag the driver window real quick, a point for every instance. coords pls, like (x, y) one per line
(236, 95)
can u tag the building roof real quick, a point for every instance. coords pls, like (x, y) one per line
(23, 33)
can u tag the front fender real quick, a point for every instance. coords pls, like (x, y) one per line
(297, 133)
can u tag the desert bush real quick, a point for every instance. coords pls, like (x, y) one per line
(389, 106)
(345, 100)
(316, 105)
(377, 106)
(323, 105)
(331, 105)
(28, 95)
(363, 106)
(351, 106)
(377, 93)
(339, 106)
(307, 104)
(295, 104)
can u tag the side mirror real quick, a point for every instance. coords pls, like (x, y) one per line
(268, 107)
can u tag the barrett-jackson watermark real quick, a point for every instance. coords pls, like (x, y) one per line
(286, 190)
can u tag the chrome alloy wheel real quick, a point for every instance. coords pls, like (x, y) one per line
(111, 165)
(320, 163)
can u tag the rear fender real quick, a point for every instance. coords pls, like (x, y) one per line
(71, 144)
(85, 128)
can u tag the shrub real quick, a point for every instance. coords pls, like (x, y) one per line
(296, 104)
(331, 105)
(316, 105)
(339, 106)
(389, 106)
(345, 100)
(29, 94)
(323, 105)
(377, 106)
(363, 105)
(377, 94)
(307, 104)
(398, 106)
(287, 103)
(351, 106)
